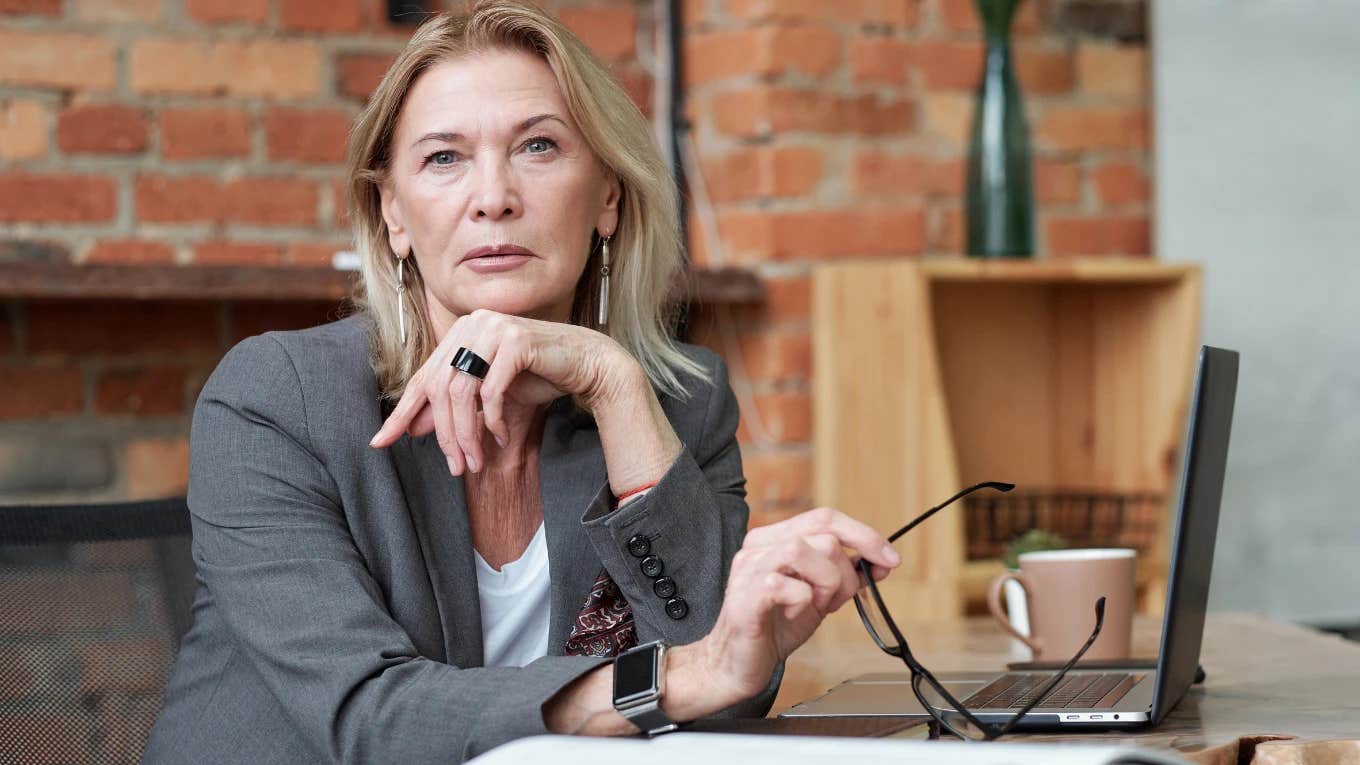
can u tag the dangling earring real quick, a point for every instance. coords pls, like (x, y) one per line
(401, 299)
(604, 282)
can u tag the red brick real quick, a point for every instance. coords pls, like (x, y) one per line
(237, 254)
(882, 173)
(1044, 72)
(128, 251)
(788, 300)
(961, 16)
(115, 328)
(57, 60)
(253, 318)
(897, 13)
(228, 11)
(1057, 180)
(1113, 235)
(1121, 183)
(339, 204)
(947, 231)
(259, 67)
(778, 356)
(313, 254)
(192, 199)
(763, 172)
(151, 391)
(609, 32)
(30, 7)
(947, 65)
(637, 83)
(306, 136)
(204, 133)
(102, 129)
(122, 666)
(321, 15)
(879, 60)
(1111, 70)
(52, 602)
(358, 74)
(761, 52)
(156, 468)
(31, 198)
(35, 392)
(23, 129)
(756, 236)
(786, 417)
(758, 112)
(1078, 128)
(778, 477)
(948, 115)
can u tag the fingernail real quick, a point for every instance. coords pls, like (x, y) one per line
(472, 463)
(374, 440)
(890, 556)
(453, 466)
(501, 441)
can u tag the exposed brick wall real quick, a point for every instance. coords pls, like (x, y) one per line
(839, 130)
(207, 131)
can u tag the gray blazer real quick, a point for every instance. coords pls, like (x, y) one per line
(336, 616)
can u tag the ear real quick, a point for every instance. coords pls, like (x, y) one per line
(609, 213)
(397, 236)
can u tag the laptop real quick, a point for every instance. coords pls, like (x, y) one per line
(1114, 696)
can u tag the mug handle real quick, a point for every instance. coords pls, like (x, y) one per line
(999, 612)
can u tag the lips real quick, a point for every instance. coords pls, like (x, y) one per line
(493, 250)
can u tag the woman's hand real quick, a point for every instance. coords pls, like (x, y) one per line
(785, 579)
(531, 363)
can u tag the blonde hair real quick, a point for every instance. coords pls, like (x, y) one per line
(645, 251)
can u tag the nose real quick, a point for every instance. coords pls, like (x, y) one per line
(495, 195)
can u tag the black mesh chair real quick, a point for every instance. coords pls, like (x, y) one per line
(93, 602)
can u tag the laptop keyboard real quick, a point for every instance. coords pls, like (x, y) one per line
(1016, 690)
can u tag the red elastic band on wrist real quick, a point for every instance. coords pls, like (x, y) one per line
(638, 490)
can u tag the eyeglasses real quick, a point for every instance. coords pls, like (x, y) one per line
(879, 623)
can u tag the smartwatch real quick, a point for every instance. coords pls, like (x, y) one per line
(639, 684)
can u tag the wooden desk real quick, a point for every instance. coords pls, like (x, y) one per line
(1264, 677)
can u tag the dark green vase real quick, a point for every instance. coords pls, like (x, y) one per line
(1000, 186)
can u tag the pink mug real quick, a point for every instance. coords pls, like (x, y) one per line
(1061, 589)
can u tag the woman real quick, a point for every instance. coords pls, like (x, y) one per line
(423, 581)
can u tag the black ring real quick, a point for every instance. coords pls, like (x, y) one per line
(470, 363)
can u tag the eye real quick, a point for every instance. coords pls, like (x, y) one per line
(443, 157)
(539, 145)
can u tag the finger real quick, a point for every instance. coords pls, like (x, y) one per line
(781, 590)
(423, 422)
(854, 534)
(442, 415)
(797, 559)
(508, 363)
(849, 582)
(412, 400)
(463, 409)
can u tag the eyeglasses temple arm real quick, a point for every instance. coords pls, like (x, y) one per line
(998, 485)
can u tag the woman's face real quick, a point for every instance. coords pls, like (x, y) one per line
(493, 189)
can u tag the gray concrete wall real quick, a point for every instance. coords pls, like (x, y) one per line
(1257, 113)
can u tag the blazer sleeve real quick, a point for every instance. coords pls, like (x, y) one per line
(275, 553)
(694, 520)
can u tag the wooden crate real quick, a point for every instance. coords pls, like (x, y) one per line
(933, 375)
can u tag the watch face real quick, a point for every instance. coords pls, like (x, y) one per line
(635, 675)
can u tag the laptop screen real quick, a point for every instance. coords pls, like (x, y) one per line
(1192, 557)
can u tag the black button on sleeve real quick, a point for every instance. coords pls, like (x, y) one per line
(677, 608)
(664, 587)
(652, 566)
(639, 546)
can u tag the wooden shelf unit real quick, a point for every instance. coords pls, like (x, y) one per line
(933, 375)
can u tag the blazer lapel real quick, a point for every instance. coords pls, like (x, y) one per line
(571, 473)
(439, 511)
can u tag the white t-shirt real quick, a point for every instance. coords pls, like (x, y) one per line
(515, 606)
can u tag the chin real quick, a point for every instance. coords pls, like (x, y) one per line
(516, 301)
